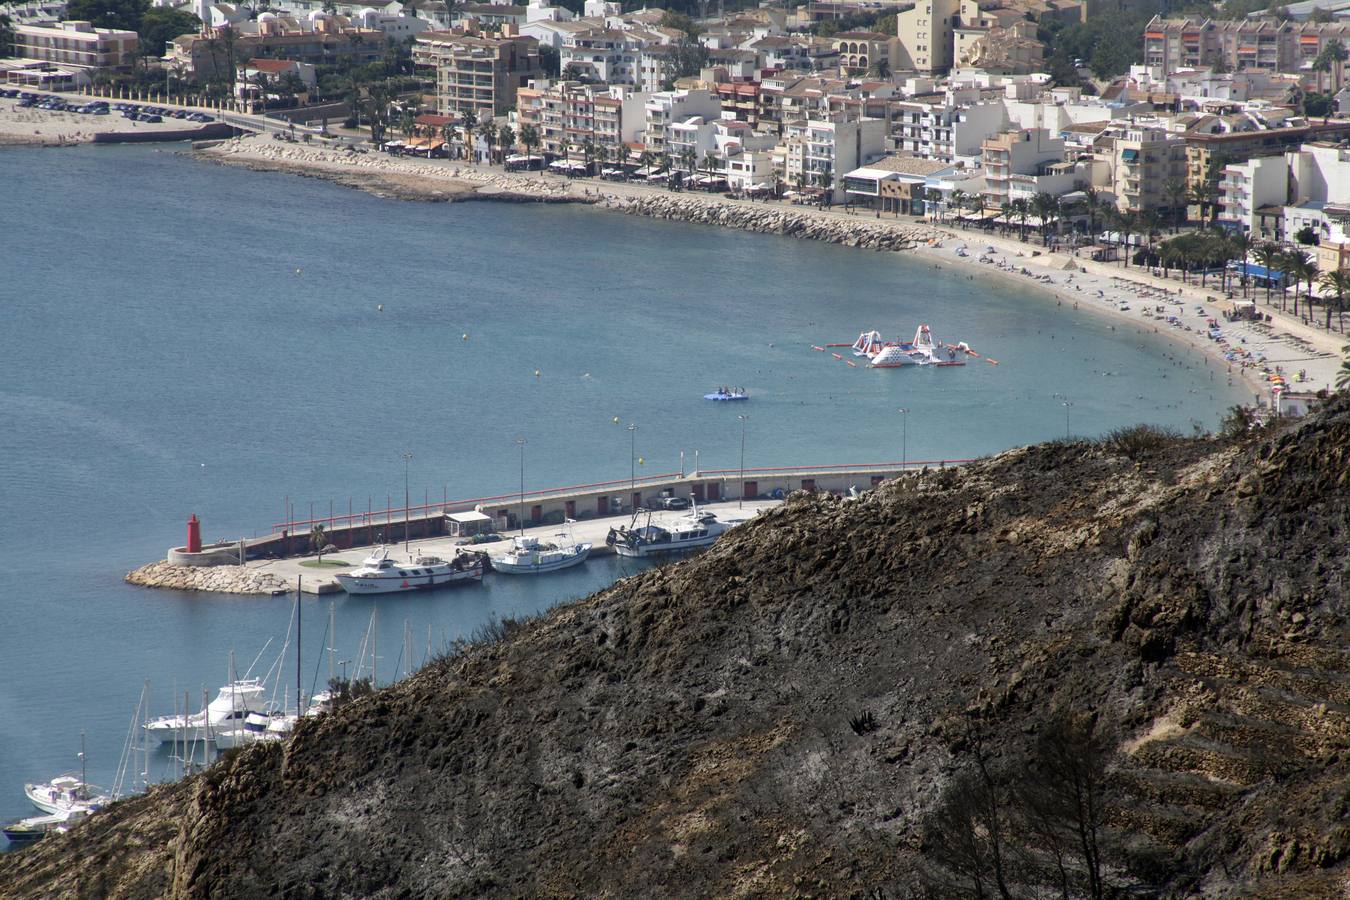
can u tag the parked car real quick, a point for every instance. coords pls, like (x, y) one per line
(672, 503)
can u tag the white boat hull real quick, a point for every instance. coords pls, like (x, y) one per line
(663, 549)
(392, 584)
(530, 566)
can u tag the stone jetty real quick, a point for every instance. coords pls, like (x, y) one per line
(807, 225)
(216, 579)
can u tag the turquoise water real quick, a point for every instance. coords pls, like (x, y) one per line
(178, 337)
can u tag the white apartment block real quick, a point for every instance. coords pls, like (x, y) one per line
(603, 55)
(945, 130)
(1030, 152)
(812, 148)
(666, 108)
(568, 115)
(1259, 182)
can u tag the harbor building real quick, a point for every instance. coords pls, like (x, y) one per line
(76, 44)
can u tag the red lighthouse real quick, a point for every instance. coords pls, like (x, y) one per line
(194, 542)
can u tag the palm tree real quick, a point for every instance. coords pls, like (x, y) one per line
(1005, 216)
(529, 136)
(1339, 282)
(487, 130)
(1343, 373)
(1268, 257)
(689, 159)
(1301, 266)
(825, 178)
(710, 163)
(468, 120)
(956, 201)
(506, 138)
(1019, 206)
(1090, 202)
(1045, 206)
(1175, 192)
(1239, 245)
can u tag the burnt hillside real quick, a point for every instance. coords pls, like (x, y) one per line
(802, 709)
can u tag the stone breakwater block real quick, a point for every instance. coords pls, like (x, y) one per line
(216, 579)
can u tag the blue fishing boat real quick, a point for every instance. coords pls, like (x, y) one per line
(724, 394)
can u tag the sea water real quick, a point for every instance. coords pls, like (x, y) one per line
(178, 337)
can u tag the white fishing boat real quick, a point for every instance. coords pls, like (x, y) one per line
(66, 794)
(530, 556)
(922, 351)
(232, 705)
(666, 534)
(379, 574)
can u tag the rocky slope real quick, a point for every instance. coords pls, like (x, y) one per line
(783, 715)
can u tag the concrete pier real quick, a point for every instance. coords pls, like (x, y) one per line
(322, 580)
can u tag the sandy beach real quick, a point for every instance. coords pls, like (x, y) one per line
(1133, 300)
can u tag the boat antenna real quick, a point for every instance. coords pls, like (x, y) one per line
(84, 771)
(520, 442)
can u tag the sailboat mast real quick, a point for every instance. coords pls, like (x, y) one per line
(332, 638)
(84, 771)
(297, 644)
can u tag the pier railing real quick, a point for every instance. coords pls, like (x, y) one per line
(394, 516)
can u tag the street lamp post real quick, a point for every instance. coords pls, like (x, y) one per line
(520, 442)
(632, 460)
(406, 458)
(740, 501)
(904, 436)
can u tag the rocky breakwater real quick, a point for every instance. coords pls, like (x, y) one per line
(804, 224)
(217, 579)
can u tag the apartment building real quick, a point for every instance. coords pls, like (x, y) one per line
(1205, 151)
(927, 34)
(1019, 152)
(664, 109)
(1139, 162)
(811, 149)
(602, 54)
(321, 41)
(948, 127)
(1262, 44)
(479, 73)
(893, 184)
(569, 114)
(862, 52)
(76, 45)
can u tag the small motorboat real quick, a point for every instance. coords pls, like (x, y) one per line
(379, 574)
(530, 556)
(27, 831)
(724, 394)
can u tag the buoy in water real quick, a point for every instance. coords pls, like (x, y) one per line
(464, 336)
(616, 420)
(817, 349)
(379, 308)
(836, 356)
(851, 364)
(536, 373)
(992, 362)
(298, 271)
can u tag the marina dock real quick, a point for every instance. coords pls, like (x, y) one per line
(287, 550)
